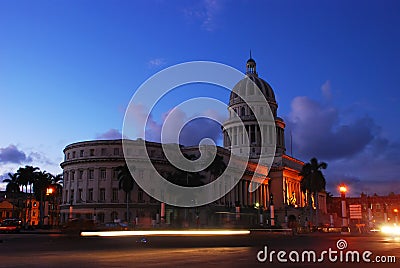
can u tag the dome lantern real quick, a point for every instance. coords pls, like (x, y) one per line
(251, 66)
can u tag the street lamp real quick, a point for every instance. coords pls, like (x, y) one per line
(396, 213)
(343, 190)
(49, 191)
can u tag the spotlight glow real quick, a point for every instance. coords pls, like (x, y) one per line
(168, 233)
(391, 230)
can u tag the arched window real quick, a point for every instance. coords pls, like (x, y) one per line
(114, 215)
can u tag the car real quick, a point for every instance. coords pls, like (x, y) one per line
(113, 226)
(10, 226)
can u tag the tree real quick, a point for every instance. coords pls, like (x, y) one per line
(41, 182)
(55, 197)
(217, 166)
(126, 183)
(313, 182)
(26, 176)
(12, 189)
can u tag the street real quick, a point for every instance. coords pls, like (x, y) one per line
(58, 250)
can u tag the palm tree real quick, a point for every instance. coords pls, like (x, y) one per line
(57, 184)
(42, 181)
(12, 188)
(313, 182)
(126, 183)
(26, 176)
(217, 166)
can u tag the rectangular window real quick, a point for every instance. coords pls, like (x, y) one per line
(103, 174)
(115, 194)
(81, 153)
(102, 196)
(72, 196)
(116, 151)
(80, 195)
(115, 174)
(140, 196)
(66, 176)
(91, 152)
(103, 151)
(90, 194)
(91, 174)
(80, 174)
(72, 175)
(73, 154)
(66, 196)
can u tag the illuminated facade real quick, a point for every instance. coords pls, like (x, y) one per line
(91, 185)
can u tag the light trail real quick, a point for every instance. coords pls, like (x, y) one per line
(169, 233)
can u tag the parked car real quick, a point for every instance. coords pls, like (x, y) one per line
(11, 226)
(113, 226)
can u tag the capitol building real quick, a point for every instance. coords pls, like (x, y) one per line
(91, 186)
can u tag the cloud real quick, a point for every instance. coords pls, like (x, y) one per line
(206, 12)
(11, 154)
(157, 62)
(111, 134)
(326, 90)
(192, 130)
(317, 130)
(357, 153)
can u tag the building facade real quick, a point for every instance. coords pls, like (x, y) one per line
(91, 188)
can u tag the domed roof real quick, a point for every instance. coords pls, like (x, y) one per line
(246, 85)
(250, 60)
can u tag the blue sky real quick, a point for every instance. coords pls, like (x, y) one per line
(69, 68)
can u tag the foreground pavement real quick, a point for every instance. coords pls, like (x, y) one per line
(59, 250)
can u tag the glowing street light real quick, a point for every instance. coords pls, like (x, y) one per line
(343, 190)
(49, 191)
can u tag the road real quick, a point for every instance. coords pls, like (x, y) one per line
(56, 250)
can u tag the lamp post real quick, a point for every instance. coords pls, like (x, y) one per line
(271, 208)
(49, 191)
(343, 190)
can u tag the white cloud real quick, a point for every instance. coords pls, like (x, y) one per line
(205, 12)
(326, 90)
(111, 134)
(157, 62)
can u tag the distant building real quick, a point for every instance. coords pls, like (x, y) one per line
(20, 206)
(375, 209)
(91, 186)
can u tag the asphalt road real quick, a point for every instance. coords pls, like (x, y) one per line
(55, 250)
